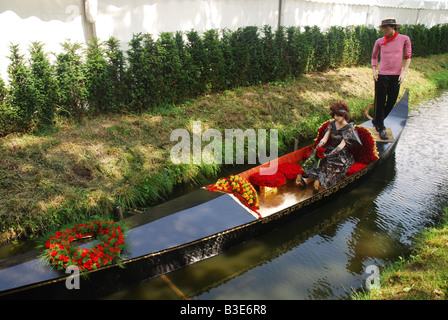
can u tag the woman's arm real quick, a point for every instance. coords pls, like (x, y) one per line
(325, 138)
(337, 149)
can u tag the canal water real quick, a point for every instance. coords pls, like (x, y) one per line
(324, 255)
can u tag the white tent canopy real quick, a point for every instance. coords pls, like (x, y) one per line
(55, 21)
(408, 4)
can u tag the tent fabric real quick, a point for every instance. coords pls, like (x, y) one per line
(53, 22)
(404, 4)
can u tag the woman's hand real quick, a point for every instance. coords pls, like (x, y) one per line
(336, 150)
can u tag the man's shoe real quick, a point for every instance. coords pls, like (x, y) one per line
(383, 134)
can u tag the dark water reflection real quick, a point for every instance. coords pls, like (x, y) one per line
(325, 254)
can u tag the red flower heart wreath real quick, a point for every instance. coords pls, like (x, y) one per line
(60, 253)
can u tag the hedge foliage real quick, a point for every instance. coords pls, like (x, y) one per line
(100, 77)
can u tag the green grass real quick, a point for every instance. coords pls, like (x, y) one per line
(80, 170)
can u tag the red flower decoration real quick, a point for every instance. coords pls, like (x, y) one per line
(290, 170)
(60, 253)
(367, 152)
(355, 168)
(320, 152)
(268, 180)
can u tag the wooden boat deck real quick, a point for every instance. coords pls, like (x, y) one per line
(283, 197)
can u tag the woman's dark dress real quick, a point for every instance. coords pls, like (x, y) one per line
(332, 169)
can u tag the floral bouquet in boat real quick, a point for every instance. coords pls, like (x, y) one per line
(286, 170)
(316, 156)
(240, 188)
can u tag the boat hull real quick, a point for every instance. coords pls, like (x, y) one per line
(114, 278)
(210, 225)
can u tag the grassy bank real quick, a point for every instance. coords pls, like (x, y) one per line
(87, 168)
(424, 276)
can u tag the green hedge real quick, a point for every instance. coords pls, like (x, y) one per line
(102, 78)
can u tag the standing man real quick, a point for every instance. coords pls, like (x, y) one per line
(390, 74)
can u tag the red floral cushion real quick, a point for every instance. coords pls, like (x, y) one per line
(268, 180)
(290, 170)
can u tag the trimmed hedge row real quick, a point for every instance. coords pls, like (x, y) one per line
(102, 78)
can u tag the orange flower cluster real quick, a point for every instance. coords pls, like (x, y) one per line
(239, 187)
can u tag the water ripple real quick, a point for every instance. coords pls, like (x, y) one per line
(421, 172)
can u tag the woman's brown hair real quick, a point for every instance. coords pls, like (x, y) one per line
(340, 108)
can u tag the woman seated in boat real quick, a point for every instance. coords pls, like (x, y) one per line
(341, 136)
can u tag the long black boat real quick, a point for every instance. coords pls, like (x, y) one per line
(188, 229)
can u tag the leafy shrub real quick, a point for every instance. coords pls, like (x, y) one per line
(45, 87)
(144, 72)
(270, 57)
(198, 63)
(117, 75)
(171, 69)
(419, 39)
(320, 59)
(215, 70)
(179, 66)
(97, 80)
(299, 51)
(20, 101)
(71, 80)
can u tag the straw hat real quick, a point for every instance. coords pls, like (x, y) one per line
(389, 21)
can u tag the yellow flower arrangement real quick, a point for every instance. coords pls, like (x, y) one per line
(241, 188)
